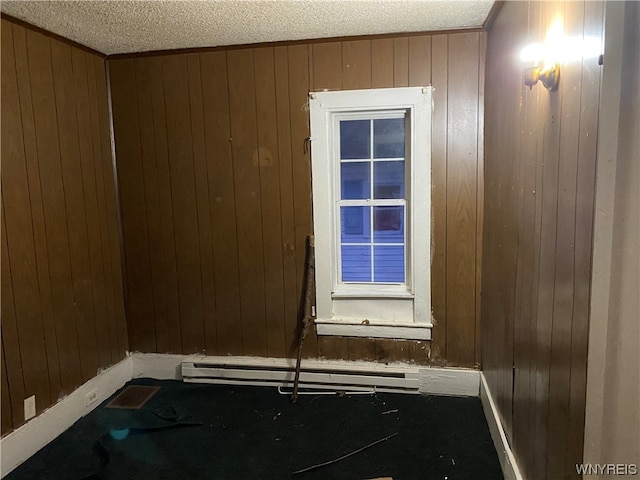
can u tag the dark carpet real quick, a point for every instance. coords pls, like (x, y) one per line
(189, 431)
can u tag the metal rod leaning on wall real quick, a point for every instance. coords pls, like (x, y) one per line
(307, 319)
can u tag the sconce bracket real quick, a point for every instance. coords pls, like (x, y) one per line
(550, 78)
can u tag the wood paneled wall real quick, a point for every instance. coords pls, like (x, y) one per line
(540, 161)
(216, 191)
(62, 296)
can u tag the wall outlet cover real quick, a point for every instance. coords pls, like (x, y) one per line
(29, 407)
(92, 396)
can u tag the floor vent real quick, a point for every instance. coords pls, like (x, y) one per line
(133, 397)
(314, 374)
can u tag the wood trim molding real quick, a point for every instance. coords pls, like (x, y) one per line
(506, 457)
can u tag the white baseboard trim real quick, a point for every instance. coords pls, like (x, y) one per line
(158, 366)
(449, 381)
(26, 440)
(508, 462)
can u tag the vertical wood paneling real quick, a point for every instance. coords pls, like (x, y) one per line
(420, 60)
(401, 62)
(301, 168)
(248, 199)
(169, 334)
(540, 158)
(559, 375)
(202, 199)
(57, 299)
(462, 168)
(89, 190)
(222, 200)
(143, 76)
(19, 237)
(585, 181)
(356, 65)
(37, 212)
(523, 352)
(286, 197)
(548, 256)
(268, 164)
(111, 338)
(53, 198)
(482, 48)
(382, 56)
(84, 311)
(140, 306)
(185, 213)
(440, 71)
(112, 207)
(254, 104)
(10, 342)
(327, 66)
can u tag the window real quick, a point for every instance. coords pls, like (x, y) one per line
(371, 194)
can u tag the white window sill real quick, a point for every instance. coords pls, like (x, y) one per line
(371, 292)
(345, 328)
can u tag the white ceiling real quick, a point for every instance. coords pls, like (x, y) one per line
(128, 26)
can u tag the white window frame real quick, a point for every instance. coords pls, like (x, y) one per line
(365, 309)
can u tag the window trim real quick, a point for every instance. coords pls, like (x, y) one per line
(324, 107)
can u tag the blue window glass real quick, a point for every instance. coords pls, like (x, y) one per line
(355, 224)
(372, 232)
(388, 224)
(388, 264)
(355, 182)
(389, 179)
(355, 139)
(388, 138)
(356, 263)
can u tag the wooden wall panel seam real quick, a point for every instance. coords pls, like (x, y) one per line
(226, 58)
(257, 154)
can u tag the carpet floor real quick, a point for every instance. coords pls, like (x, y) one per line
(192, 431)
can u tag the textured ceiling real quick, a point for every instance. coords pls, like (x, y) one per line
(137, 26)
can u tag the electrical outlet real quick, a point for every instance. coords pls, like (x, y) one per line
(92, 396)
(29, 407)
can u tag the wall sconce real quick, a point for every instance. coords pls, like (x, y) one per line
(543, 58)
(548, 75)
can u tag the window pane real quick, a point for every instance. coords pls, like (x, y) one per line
(355, 224)
(388, 224)
(389, 179)
(355, 139)
(388, 138)
(356, 263)
(388, 264)
(355, 180)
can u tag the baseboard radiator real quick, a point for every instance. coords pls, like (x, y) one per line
(314, 375)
